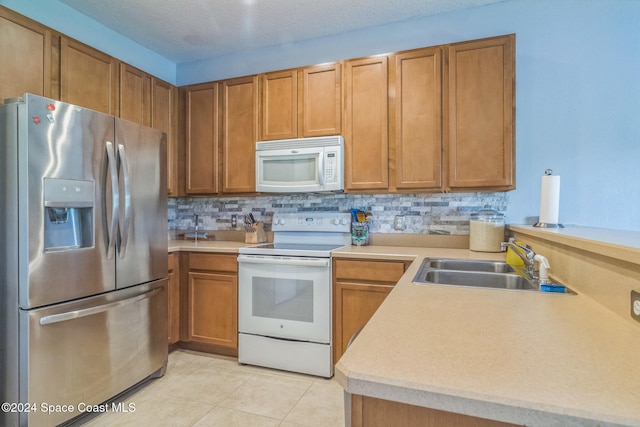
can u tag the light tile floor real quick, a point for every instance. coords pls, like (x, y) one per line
(202, 390)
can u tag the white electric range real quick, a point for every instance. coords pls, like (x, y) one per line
(284, 293)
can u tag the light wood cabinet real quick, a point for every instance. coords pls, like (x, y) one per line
(202, 136)
(304, 102)
(213, 300)
(319, 99)
(365, 124)
(359, 288)
(279, 105)
(415, 120)
(26, 49)
(164, 117)
(479, 114)
(373, 412)
(88, 77)
(240, 133)
(173, 300)
(135, 95)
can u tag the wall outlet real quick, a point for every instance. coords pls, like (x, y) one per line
(234, 221)
(635, 305)
(398, 222)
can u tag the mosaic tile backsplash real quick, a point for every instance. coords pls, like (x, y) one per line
(424, 213)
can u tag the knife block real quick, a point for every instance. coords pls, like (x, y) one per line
(256, 236)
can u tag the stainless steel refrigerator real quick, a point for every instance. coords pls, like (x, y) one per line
(83, 258)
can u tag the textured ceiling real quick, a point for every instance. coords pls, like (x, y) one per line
(190, 30)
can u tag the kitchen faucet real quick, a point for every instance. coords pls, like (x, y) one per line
(529, 257)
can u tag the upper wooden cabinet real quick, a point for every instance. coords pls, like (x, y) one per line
(415, 120)
(202, 136)
(319, 98)
(26, 49)
(365, 124)
(303, 102)
(479, 114)
(88, 77)
(239, 134)
(164, 116)
(279, 105)
(135, 95)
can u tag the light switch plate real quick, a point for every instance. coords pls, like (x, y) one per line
(398, 222)
(635, 305)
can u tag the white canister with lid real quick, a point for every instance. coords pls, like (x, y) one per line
(486, 230)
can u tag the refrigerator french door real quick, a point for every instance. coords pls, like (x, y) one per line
(83, 237)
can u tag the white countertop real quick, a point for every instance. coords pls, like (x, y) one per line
(523, 357)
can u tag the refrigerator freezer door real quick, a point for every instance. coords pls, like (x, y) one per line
(61, 157)
(142, 243)
(88, 351)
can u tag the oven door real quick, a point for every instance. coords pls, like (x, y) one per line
(285, 297)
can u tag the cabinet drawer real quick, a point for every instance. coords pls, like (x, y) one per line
(377, 271)
(213, 262)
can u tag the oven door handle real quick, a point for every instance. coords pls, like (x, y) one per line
(305, 262)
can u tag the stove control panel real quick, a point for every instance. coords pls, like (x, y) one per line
(312, 221)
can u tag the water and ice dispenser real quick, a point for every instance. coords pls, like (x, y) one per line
(68, 214)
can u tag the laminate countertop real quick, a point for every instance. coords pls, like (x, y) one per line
(532, 358)
(220, 246)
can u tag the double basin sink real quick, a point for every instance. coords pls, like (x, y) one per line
(475, 273)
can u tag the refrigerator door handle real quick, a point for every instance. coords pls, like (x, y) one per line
(115, 199)
(70, 315)
(122, 156)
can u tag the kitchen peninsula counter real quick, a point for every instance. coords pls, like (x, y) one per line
(519, 357)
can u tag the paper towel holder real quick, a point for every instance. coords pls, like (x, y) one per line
(547, 172)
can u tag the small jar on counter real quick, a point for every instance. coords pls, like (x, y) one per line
(486, 231)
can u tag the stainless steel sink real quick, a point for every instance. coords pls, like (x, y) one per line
(470, 265)
(479, 279)
(475, 273)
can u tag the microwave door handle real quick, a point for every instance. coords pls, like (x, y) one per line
(320, 168)
(304, 262)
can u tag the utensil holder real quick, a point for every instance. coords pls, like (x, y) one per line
(359, 233)
(257, 235)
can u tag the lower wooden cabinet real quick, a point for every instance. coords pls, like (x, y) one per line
(372, 412)
(359, 288)
(212, 295)
(173, 299)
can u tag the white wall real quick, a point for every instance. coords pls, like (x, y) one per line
(577, 90)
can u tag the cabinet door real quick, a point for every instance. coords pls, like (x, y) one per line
(320, 100)
(202, 138)
(415, 120)
(88, 78)
(479, 114)
(135, 95)
(213, 309)
(359, 287)
(355, 304)
(365, 122)
(25, 47)
(240, 134)
(164, 117)
(173, 300)
(279, 105)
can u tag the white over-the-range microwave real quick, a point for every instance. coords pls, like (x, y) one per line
(300, 165)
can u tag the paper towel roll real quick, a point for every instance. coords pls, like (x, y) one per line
(550, 199)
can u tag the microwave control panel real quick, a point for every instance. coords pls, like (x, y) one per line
(330, 170)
